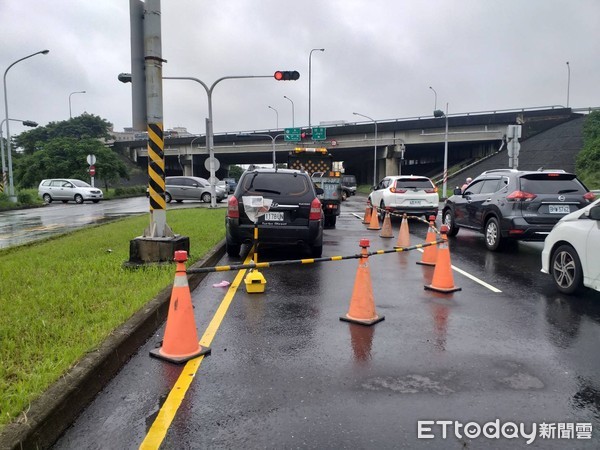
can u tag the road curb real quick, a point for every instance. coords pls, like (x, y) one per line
(57, 408)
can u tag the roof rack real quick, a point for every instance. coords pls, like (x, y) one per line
(500, 171)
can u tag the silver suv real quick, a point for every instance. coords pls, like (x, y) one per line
(68, 189)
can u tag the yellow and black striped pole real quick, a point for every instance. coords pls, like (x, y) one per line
(156, 167)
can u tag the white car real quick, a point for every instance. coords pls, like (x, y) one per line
(68, 189)
(571, 250)
(406, 194)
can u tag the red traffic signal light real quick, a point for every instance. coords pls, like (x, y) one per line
(286, 75)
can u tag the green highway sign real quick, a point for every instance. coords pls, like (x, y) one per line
(318, 134)
(292, 134)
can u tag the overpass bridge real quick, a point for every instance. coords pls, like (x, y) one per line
(412, 145)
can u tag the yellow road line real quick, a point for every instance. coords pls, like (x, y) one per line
(159, 428)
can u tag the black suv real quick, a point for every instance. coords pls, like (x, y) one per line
(348, 186)
(295, 216)
(508, 204)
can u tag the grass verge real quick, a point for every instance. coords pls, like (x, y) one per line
(62, 297)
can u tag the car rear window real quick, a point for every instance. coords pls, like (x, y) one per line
(545, 183)
(414, 183)
(281, 186)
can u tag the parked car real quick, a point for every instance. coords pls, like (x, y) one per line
(571, 250)
(231, 183)
(406, 194)
(348, 186)
(509, 205)
(191, 188)
(68, 189)
(295, 217)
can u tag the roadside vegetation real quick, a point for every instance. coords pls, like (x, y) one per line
(588, 159)
(62, 297)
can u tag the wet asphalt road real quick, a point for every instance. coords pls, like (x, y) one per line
(285, 372)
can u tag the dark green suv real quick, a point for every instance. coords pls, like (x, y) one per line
(509, 205)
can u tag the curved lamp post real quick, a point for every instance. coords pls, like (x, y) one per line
(435, 98)
(285, 96)
(273, 138)
(568, 81)
(276, 117)
(77, 92)
(374, 147)
(309, 78)
(11, 190)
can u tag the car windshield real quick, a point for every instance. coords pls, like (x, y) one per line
(80, 183)
(413, 183)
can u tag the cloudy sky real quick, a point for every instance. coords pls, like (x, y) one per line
(380, 58)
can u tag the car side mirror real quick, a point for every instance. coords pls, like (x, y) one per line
(594, 213)
(319, 191)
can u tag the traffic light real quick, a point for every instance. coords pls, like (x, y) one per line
(30, 123)
(286, 75)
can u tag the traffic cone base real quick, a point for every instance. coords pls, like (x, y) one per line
(349, 318)
(180, 341)
(386, 230)
(430, 287)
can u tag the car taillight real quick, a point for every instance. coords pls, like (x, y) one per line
(431, 191)
(233, 211)
(315, 210)
(521, 196)
(394, 190)
(589, 196)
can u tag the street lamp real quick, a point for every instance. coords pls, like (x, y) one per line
(374, 147)
(309, 78)
(292, 109)
(11, 190)
(273, 138)
(209, 123)
(435, 99)
(77, 92)
(568, 81)
(27, 123)
(276, 117)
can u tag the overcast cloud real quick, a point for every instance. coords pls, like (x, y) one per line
(380, 58)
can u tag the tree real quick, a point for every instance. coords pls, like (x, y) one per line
(587, 164)
(65, 157)
(235, 172)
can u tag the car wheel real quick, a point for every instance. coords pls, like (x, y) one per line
(179, 201)
(344, 196)
(566, 269)
(448, 220)
(206, 197)
(95, 201)
(168, 197)
(47, 198)
(78, 199)
(232, 249)
(65, 201)
(493, 239)
(316, 251)
(381, 211)
(330, 221)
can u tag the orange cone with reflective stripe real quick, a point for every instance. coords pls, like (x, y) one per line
(362, 303)
(180, 342)
(386, 229)
(443, 281)
(404, 236)
(367, 217)
(374, 223)
(429, 257)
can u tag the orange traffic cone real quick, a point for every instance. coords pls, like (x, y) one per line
(374, 223)
(386, 230)
(367, 217)
(404, 236)
(443, 280)
(362, 304)
(430, 253)
(180, 342)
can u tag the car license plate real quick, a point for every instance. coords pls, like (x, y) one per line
(559, 209)
(414, 202)
(274, 216)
